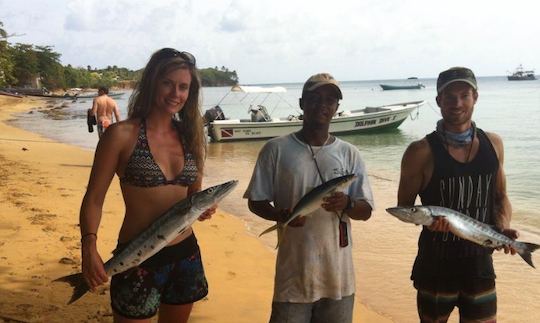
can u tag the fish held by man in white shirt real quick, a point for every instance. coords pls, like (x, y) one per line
(314, 199)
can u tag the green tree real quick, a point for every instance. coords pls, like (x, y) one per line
(6, 62)
(50, 69)
(25, 63)
(218, 77)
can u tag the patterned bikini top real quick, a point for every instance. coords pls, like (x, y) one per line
(143, 171)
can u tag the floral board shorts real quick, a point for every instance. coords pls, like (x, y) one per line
(173, 276)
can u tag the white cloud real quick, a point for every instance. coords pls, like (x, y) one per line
(286, 41)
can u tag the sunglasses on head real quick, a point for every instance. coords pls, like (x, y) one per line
(171, 52)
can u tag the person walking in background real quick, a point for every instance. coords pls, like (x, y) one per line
(158, 154)
(457, 166)
(103, 108)
(314, 279)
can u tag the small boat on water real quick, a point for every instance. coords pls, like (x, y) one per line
(88, 96)
(387, 87)
(407, 86)
(522, 75)
(263, 126)
(10, 94)
(73, 94)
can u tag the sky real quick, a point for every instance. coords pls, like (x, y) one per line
(282, 41)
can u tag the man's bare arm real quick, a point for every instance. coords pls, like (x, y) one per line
(265, 210)
(116, 112)
(94, 107)
(416, 164)
(503, 208)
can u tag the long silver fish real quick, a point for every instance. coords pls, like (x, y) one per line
(158, 235)
(313, 200)
(464, 227)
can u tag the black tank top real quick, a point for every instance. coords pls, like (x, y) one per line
(465, 187)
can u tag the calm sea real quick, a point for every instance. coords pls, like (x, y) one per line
(384, 248)
(511, 109)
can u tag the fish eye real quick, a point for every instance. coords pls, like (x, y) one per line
(211, 190)
(413, 209)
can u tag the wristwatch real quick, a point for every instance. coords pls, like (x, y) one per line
(350, 204)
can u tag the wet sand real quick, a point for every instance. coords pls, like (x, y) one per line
(41, 186)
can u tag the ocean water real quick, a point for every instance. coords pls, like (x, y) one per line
(510, 109)
(384, 248)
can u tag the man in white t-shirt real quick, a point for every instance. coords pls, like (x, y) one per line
(314, 279)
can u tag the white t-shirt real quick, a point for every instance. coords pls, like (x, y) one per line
(310, 263)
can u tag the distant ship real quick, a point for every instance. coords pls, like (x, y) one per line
(522, 75)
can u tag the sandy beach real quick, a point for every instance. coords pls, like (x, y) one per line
(41, 186)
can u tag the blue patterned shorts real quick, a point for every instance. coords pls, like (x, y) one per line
(174, 276)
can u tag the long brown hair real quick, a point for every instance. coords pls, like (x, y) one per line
(190, 123)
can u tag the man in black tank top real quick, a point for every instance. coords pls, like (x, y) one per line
(460, 167)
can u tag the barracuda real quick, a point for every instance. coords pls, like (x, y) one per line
(464, 227)
(313, 200)
(158, 235)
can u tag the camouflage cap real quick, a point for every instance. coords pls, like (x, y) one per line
(456, 74)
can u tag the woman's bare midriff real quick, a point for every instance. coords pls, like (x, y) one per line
(145, 204)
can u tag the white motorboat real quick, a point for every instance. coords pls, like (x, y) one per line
(263, 126)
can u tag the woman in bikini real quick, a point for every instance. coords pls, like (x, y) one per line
(158, 154)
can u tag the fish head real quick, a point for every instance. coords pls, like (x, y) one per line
(205, 199)
(412, 214)
(338, 183)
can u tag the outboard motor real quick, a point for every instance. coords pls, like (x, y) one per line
(259, 114)
(212, 114)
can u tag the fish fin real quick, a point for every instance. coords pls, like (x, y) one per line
(526, 255)
(270, 229)
(77, 281)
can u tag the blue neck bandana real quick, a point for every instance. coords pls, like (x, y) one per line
(456, 139)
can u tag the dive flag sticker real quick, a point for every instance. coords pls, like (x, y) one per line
(227, 133)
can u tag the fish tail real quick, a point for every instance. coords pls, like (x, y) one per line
(280, 235)
(270, 229)
(77, 281)
(526, 255)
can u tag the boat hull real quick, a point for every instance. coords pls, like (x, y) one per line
(521, 78)
(388, 87)
(72, 97)
(357, 121)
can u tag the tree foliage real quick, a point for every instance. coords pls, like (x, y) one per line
(6, 64)
(218, 77)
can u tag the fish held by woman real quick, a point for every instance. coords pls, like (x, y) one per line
(464, 227)
(158, 235)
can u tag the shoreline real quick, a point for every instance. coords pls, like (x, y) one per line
(41, 187)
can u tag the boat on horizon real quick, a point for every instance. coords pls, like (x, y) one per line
(520, 74)
(407, 86)
(262, 125)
